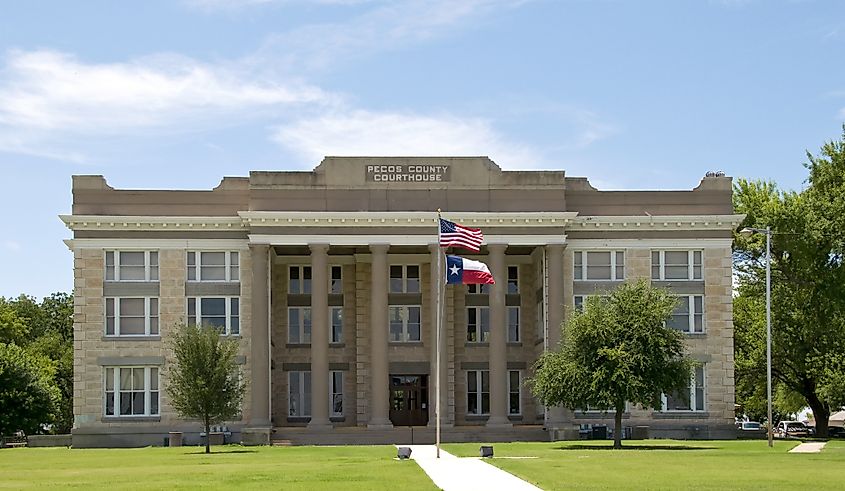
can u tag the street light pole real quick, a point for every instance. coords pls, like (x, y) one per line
(768, 231)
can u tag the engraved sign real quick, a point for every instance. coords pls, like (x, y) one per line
(407, 173)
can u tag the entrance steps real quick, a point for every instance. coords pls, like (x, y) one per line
(405, 435)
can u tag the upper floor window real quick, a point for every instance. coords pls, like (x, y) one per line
(479, 289)
(131, 391)
(580, 300)
(404, 278)
(337, 324)
(299, 280)
(676, 265)
(404, 323)
(513, 279)
(688, 315)
(131, 316)
(131, 266)
(599, 265)
(690, 398)
(336, 280)
(213, 266)
(220, 312)
(299, 325)
(478, 324)
(513, 325)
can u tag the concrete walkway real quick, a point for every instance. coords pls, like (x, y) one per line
(451, 473)
(809, 447)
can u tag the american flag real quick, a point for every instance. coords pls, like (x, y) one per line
(452, 234)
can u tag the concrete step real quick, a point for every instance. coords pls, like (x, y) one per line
(421, 435)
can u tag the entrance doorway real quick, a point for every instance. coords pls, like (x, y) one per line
(409, 400)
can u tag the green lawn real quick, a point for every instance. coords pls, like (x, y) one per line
(668, 464)
(289, 468)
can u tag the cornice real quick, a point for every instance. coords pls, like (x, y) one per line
(656, 222)
(404, 219)
(111, 222)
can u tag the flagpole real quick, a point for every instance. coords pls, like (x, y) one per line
(437, 341)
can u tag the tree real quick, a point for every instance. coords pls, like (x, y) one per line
(808, 271)
(204, 382)
(617, 350)
(28, 395)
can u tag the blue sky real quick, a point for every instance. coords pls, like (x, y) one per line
(632, 94)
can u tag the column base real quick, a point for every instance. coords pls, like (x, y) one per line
(324, 425)
(498, 422)
(443, 424)
(380, 424)
(256, 435)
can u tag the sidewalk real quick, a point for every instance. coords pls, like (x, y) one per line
(809, 447)
(451, 473)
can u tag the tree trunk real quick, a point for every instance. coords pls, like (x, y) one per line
(821, 414)
(207, 435)
(617, 427)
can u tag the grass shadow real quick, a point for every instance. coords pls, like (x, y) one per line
(240, 450)
(633, 447)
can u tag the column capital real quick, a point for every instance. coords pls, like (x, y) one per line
(497, 248)
(434, 247)
(318, 247)
(379, 248)
(555, 247)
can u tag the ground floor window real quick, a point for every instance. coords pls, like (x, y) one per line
(336, 389)
(514, 392)
(689, 399)
(478, 392)
(131, 391)
(220, 312)
(404, 323)
(299, 391)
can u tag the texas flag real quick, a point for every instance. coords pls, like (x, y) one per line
(467, 271)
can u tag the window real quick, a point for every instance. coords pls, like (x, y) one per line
(131, 266)
(581, 300)
(336, 280)
(337, 324)
(131, 316)
(690, 399)
(676, 265)
(404, 323)
(688, 319)
(299, 394)
(336, 393)
(479, 289)
(599, 265)
(213, 266)
(478, 392)
(404, 278)
(220, 312)
(541, 320)
(478, 324)
(299, 325)
(513, 280)
(514, 388)
(131, 391)
(299, 280)
(513, 325)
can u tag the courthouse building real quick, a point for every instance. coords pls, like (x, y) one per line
(325, 279)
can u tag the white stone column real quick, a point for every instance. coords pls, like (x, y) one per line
(258, 431)
(560, 419)
(319, 337)
(378, 338)
(498, 339)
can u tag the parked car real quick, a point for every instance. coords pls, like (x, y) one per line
(835, 432)
(750, 426)
(791, 429)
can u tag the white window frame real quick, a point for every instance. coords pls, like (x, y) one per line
(580, 274)
(231, 266)
(302, 290)
(481, 335)
(147, 390)
(579, 305)
(404, 278)
(541, 321)
(335, 390)
(698, 401)
(303, 334)
(511, 392)
(691, 314)
(406, 333)
(479, 393)
(512, 267)
(304, 394)
(227, 301)
(151, 271)
(332, 337)
(518, 331)
(691, 265)
(151, 312)
(339, 289)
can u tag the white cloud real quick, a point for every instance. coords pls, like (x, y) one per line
(12, 245)
(389, 26)
(53, 91)
(366, 133)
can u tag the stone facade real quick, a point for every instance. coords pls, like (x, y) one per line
(275, 220)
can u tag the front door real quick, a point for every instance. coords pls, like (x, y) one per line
(409, 400)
